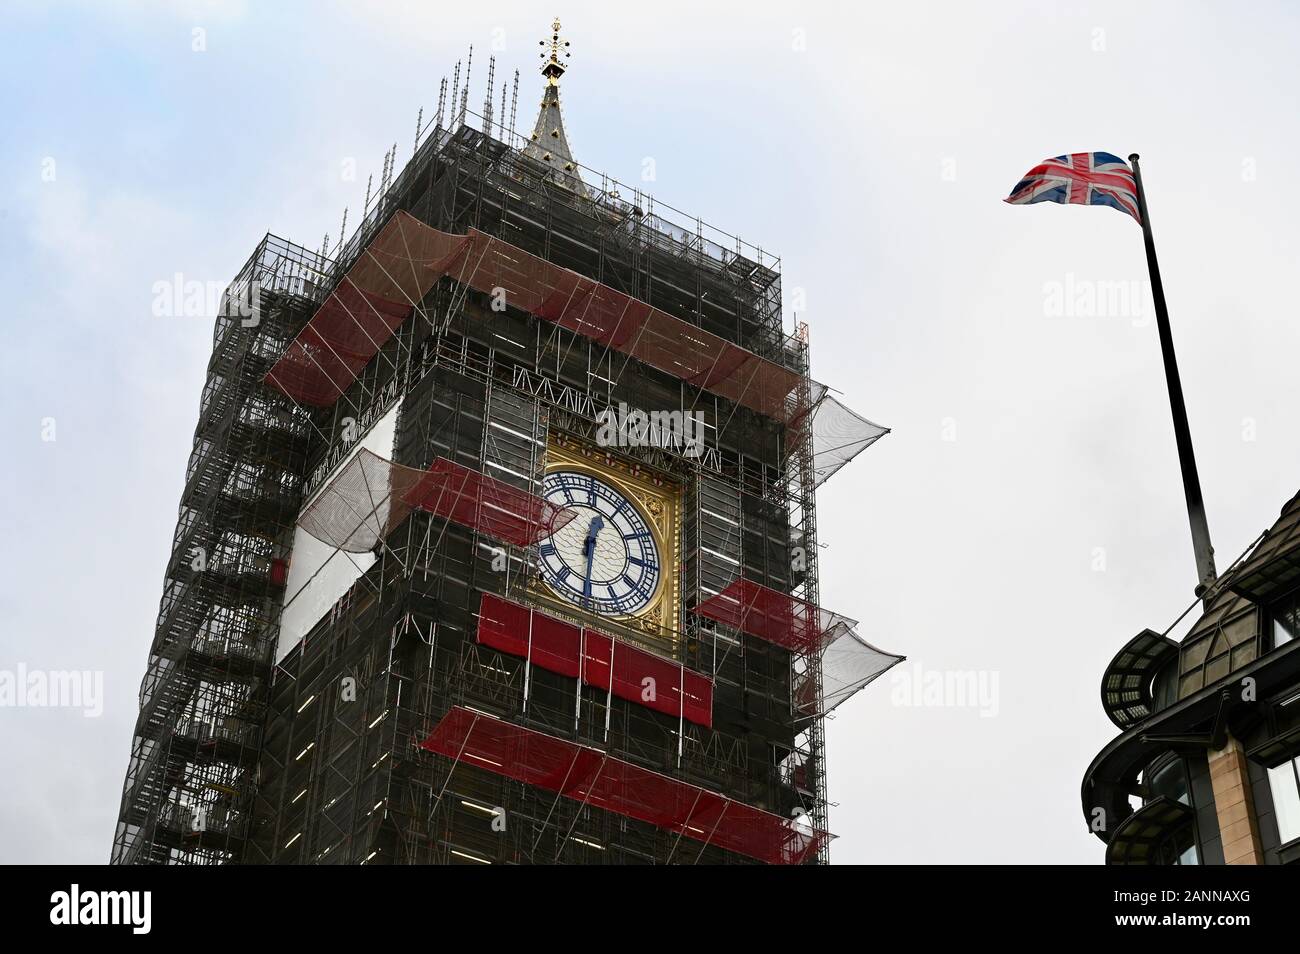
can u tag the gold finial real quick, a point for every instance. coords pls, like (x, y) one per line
(553, 66)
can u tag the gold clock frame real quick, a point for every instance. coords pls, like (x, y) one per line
(660, 501)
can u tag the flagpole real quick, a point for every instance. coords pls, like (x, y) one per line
(1204, 552)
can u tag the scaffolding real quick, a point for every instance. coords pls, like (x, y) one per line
(847, 663)
(371, 496)
(597, 659)
(496, 309)
(188, 788)
(591, 776)
(404, 259)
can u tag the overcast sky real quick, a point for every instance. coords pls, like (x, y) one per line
(1023, 519)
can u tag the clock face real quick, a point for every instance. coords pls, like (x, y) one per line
(605, 559)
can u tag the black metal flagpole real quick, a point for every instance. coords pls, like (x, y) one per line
(1205, 571)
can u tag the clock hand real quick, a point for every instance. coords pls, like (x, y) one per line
(589, 551)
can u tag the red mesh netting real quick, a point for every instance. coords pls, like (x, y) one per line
(848, 662)
(631, 327)
(769, 614)
(483, 503)
(595, 778)
(371, 495)
(363, 311)
(341, 338)
(407, 257)
(574, 651)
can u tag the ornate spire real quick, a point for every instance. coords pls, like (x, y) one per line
(554, 67)
(548, 144)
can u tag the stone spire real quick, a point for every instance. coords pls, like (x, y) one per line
(548, 144)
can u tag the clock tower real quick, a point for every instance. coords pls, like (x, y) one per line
(447, 615)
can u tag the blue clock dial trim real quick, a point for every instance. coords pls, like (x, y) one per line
(606, 559)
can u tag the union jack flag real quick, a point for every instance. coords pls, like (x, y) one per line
(1082, 178)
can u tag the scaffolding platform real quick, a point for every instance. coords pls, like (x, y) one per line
(592, 777)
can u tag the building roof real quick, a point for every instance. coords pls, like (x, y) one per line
(1274, 566)
(1268, 568)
